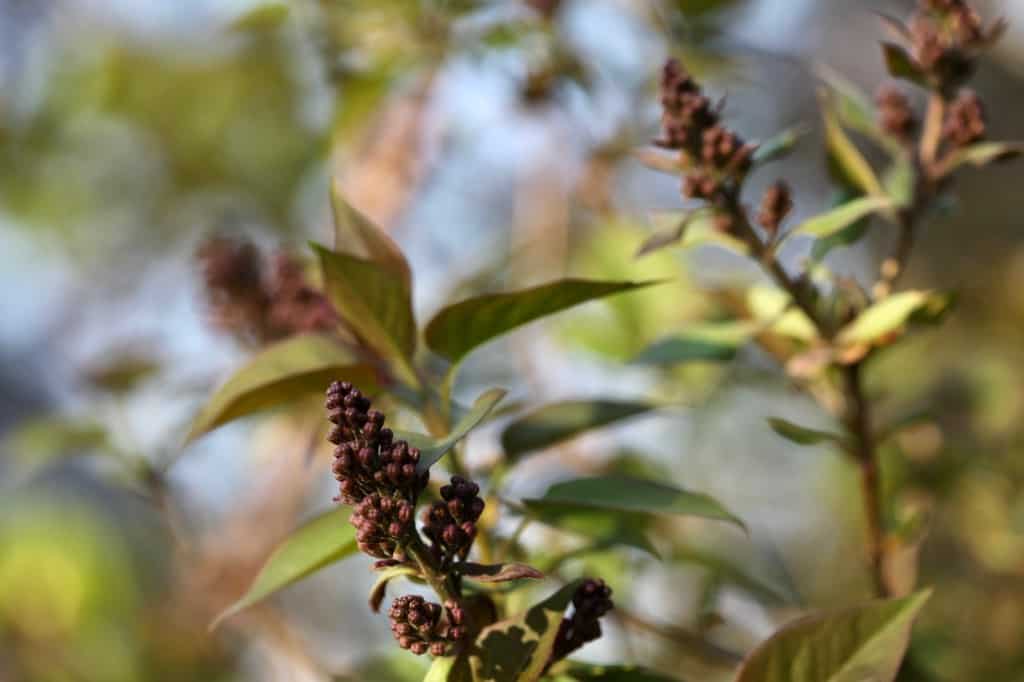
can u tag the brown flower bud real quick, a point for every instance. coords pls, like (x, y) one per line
(775, 206)
(965, 120)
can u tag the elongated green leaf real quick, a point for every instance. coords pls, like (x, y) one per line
(984, 153)
(841, 217)
(883, 317)
(900, 64)
(321, 541)
(844, 152)
(431, 451)
(866, 642)
(518, 649)
(778, 146)
(459, 328)
(357, 235)
(450, 669)
(899, 180)
(498, 573)
(801, 435)
(380, 586)
(283, 372)
(374, 301)
(605, 527)
(619, 493)
(660, 160)
(586, 672)
(263, 17)
(683, 349)
(853, 107)
(557, 422)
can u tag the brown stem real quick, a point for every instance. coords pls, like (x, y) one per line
(858, 421)
(441, 584)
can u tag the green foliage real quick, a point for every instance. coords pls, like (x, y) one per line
(832, 222)
(802, 435)
(432, 451)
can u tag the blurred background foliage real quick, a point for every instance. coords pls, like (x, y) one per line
(492, 139)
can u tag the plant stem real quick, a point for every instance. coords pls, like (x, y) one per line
(440, 583)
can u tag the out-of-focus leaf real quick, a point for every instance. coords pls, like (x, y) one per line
(498, 573)
(357, 235)
(672, 235)
(899, 180)
(659, 159)
(380, 587)
(883, 318)
(459, 328)
(866, 642)
(431, 451)
(374, 301)
(778, 146)
(900, 64)
(841, 217)
(321, 541)
(557, 422)
(518, 649)
(845, 237)
(733, 572)
(691, 229)
(774, 309)
(587, 672)
(711, 342)
(984, 153)
(896, 27)
(605, 527)
(851, 105)
(450, 669)
(844, 152)
(122, 374)
(802, 435)
(631, 495)
(290, 369)
(265, 17)
(34, 443)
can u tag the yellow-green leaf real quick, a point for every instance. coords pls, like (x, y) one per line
(883, 317)
(832, 221)
(357, 235)
(845, 153)
(321, 541)
(291, 369)
(431, 451)
(865, 642)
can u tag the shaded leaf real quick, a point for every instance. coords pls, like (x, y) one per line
(357, 235)
(375, 302)
(498, 573)
(883, 317)
(712, 342)
(586, 672)
(900, 64)
(844, 152)
(619, 493)
(321, 541)
(458, 329)
(380, 586)
(450, 669)
(731, 571)
(841, 217)
(290, 369)
(778, 146)
(123, 374)
(605, 527)
(431, 451)
(518, 649)
(556, 422)
(802, 435)
(866, 642)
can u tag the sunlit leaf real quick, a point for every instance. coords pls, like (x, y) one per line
(659, 159)
(802, 435)
(458, 329)
(841, 217)
(357, 235)
(375, 302)
(883, 318)
(774, 309)
(290, 369)
(431, 451)
(850, 104)
(899, 180)
(619, 493)
(557, 422)
(844, 152)
(984, 153)
(865, 642)
(778, 146)
(321, 541)
(498, 573)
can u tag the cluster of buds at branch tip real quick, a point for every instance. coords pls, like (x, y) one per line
(717, 158)
(450, 523)
(591, 601)
(426, 627)
(256, 299)
(965, 120)
(895, 114)
(775, 206)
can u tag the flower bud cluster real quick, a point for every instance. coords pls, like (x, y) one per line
(591, 601)
(775, 206)
(717, 156)
(946, 36)
(425, 627)
(257, 301)
(895, 114)
(450, 523)
(965, 120)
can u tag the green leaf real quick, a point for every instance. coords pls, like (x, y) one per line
(983, 154)
(431, 451)
(800, 434)
(291, 369)
(845, 237)
(659, 159)
(899, 180)
(375, 302)
(661, 239)
(458, 329)
(829, 223)
(518, 649)
(623, 494)
(321, 541)
(377, 592)
(586, 672)
(844, 152)
(883, 317)
(851, 105)
(264, 17)
(605, 527)
(866, 642)
(557, 422)
(778, 146)
(450, 669)
(900, 64)
(691, 229)
(357, 235)
(498, 573)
